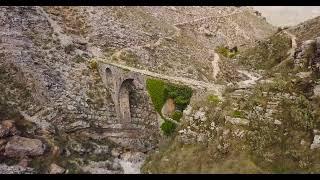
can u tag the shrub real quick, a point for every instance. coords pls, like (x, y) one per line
(226, 52)
(93, 64)
(237, 114)
(296, 113)
(223, 51)
(177, 115)
(213, 99)
(180, 94)
(168, 127)
(129, 57)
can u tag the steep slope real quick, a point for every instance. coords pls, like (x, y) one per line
(270, 126)
(148, 37)
(306, 30)
(56, 94)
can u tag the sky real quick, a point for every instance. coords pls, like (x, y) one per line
(288, 15)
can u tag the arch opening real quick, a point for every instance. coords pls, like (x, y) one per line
(109, 78)
(126, 94)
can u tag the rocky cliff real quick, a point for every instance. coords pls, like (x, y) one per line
(55, 97)
(266, 124)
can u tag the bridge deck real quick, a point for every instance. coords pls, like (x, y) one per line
(181, 80)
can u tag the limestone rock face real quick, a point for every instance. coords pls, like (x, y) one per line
(131, 162)
(21, 147)
(77, 125)
(5, 169)
(303, 53)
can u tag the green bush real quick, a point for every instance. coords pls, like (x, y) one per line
(180, 94)
(168, 127)
(226, 52)
(93, 64)
(213, 99)
(156, 90)
(237, 114)
(177, 115)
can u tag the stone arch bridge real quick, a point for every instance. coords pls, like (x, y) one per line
(135, 114)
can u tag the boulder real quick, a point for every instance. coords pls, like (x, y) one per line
(24, 162)
(277, 122)
(7, 128)
(169, 107)
(304, 75)
(55, 169)
(22, 147)
(103, 167)
(316, 90)
(316, 142)
(188, 110)
(237, 121)
(200, 115)
(131, 162)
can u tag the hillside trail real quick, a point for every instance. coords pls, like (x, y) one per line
(205, 18)
(293, 43)
(215, 65)
(253, 78)
(291, 51)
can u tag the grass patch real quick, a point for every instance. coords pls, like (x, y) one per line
(156, 90)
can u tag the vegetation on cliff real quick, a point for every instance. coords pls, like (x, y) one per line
(160, 91)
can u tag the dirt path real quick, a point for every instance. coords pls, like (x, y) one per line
(293, 43)
(250, 82)
(215, 65)
(291, 51)
(205, 18)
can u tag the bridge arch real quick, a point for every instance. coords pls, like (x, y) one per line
(109, 78)
(126, 92)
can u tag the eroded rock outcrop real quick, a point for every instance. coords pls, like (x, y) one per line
(20, 147)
